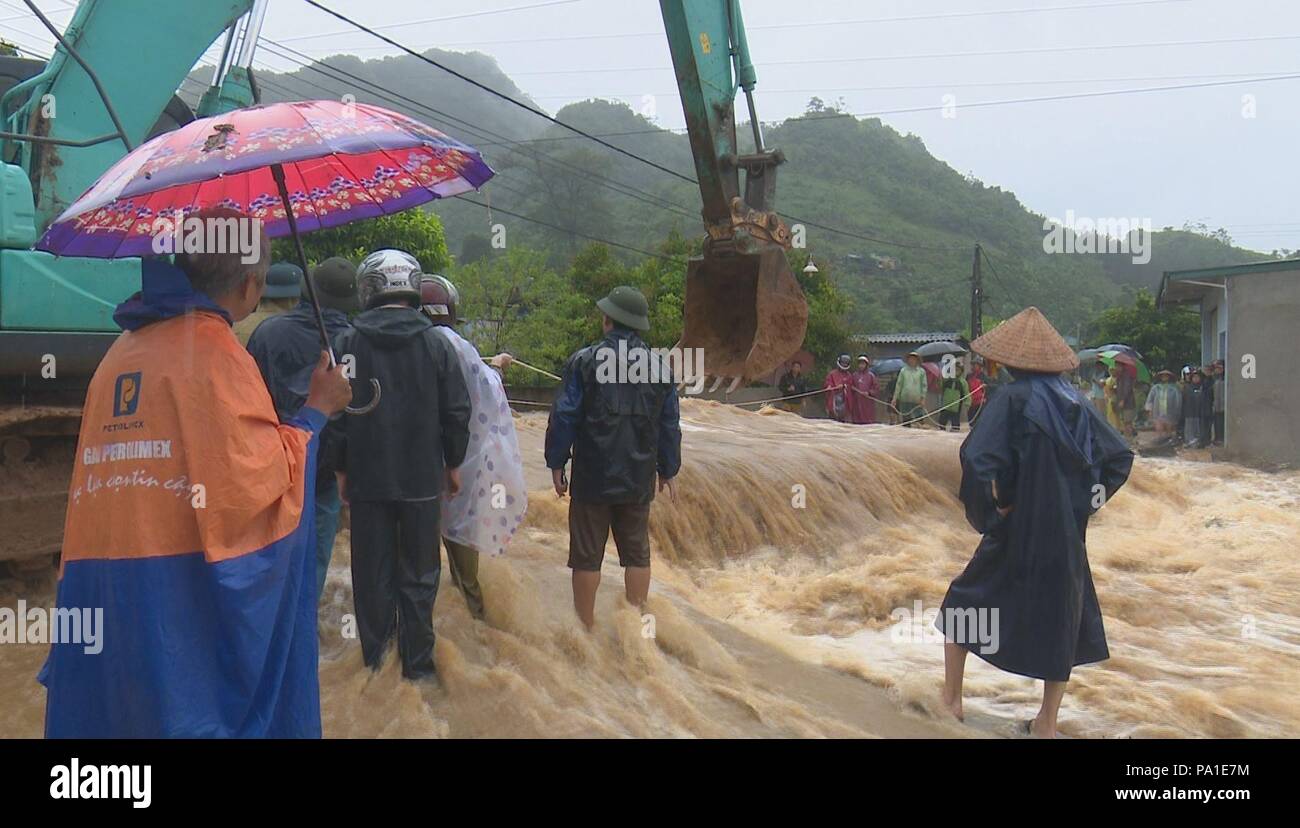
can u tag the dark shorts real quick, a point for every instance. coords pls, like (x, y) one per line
(589, 527)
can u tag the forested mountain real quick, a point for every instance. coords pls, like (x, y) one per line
(907, 221)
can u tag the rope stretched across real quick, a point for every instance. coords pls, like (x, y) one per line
(925, 416)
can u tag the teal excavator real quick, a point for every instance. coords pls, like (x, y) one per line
(111, 84)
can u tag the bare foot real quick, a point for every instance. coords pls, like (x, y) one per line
(1037, 730)
(953, 707)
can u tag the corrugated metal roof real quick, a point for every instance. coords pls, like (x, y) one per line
(928, 336)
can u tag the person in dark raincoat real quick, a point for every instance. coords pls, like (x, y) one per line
(397, 464)
(287, 348)
(1038, 463)
(621, 426)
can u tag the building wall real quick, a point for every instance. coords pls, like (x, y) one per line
(1263, 413)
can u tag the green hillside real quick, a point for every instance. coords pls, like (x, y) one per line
(908, 222)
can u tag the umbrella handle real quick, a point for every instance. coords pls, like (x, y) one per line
(376, 391)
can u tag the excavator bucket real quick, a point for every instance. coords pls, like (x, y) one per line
(745, 311)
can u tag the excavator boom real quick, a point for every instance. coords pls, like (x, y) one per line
(744, 308)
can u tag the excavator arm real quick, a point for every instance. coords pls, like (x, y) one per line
(109, 85)
(117, 66)
(744, 308)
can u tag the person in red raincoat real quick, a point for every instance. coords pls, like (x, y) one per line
(838, 387)
(866, 388)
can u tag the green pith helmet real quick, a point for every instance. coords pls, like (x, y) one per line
(336, 284)
(283, 281)
(626, 306)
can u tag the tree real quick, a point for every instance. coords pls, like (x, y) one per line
(595, 272)
(1166, 339)
(663, 281)
(415, 231)
(1202, 229)
(828, 309)
(474, 247)
(568, 186)
(516, 303)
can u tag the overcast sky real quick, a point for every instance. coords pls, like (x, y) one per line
(1168, 156)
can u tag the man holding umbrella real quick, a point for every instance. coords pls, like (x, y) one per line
(220, 635)
(190, 524)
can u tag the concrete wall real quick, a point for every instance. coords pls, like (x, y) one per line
(1263, 413)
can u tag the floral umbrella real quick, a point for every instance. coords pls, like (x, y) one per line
(302, 165)
(341, 162)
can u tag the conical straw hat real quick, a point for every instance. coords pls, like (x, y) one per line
(1029, 342)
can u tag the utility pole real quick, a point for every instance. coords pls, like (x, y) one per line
(976, 297)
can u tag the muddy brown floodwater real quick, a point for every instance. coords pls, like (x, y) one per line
(781, 576)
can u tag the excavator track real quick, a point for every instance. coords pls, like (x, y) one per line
(37, 448)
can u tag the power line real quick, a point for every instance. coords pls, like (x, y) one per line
(791, 25)
(865, 237)
(568, 231)
(959, 85)
(582, 133)
(996, 276)
(978, 104)
(436, 19)
(539, 113)
(1290, 75)
(941, 55)
(1043, 98)
(617, 186)
(612, 184)
(663, 204)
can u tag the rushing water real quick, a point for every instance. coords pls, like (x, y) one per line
(781, 574)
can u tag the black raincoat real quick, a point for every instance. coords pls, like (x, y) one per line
(421, 425)
(1054, 460)
(287, 348)
(622, 428)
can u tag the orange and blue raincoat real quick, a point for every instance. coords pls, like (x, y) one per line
(187, 524)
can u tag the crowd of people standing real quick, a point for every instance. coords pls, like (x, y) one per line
(1187, 410)
(942, 393)
(209, 553)
(942, 396)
